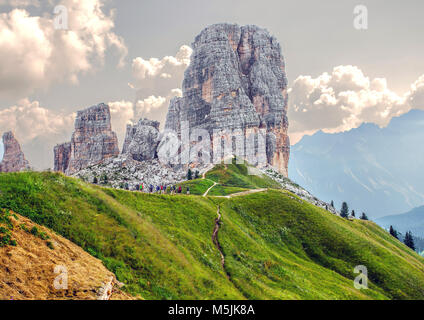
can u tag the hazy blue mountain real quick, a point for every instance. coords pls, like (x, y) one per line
(410, 221)
(376, 170)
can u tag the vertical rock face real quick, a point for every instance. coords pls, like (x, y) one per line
(236, 80)
(93, 139)
(141, 140)
(62, 155)
(13, 157)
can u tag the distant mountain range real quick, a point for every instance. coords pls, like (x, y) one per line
(410, 221)
(376, 170)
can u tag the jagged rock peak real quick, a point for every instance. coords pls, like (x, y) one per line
(13, 157)
(236, 80)
(62, 155)
(141, 140)
(93, 139)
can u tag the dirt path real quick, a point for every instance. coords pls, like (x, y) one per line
(243, 193)
(207, 191)
(216, 241)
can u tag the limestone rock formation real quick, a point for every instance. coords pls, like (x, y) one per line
(62, 155)
(236, 80)
(13, 157)
(141, 140)
(93, 139)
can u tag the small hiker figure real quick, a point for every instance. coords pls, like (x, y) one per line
(151, 189)
(157, 189)
(188, 190)
(161, 189)
(180, 189)
(164, 188)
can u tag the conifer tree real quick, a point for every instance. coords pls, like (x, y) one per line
(393, 232)
(364, 216)
(353, 213)
(189, 175)
(344, 212)
(409, 240)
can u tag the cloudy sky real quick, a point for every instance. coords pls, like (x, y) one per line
(132, 54)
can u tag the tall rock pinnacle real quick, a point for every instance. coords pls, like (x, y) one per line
(236, 80)
(13, 158)
(92, 141)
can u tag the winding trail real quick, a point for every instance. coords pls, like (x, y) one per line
(207, 191)
(243, 193)
(216, 241)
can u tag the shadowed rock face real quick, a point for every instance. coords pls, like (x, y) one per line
(236, 80)
(141, 140)
(93, 139)
(62, 154)
(13, 158)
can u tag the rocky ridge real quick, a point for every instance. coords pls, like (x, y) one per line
(62, 155)
(92, 141)
(141, 140)
(13, 157)
(236, 81)
(289, 185)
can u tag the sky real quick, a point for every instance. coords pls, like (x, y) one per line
(132, 55)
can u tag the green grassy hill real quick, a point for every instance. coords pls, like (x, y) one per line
(276, 246)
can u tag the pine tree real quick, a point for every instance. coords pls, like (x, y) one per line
(95, 181)
(189, 175)
(409, 240)
(332, 203)
(353, 213)
(393, 232)
(364, 216)
(196, 175)
(344, 212)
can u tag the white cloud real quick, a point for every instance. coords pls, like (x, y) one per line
(160, 76)
(126, 112)
(122, 113)
(34, 55)
(29, 120)
(149, 104)
(416, 94)
(20, 3)
(37, 129)
(156, 82)
(344, 99)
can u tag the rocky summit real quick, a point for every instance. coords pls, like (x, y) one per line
(62, 155)
(236, 80)
(141, 140)
(92, 141)
(13, 158)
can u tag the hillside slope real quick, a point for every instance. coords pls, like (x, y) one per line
(27, 267)
(275, 245)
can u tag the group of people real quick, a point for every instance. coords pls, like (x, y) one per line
(162, 189)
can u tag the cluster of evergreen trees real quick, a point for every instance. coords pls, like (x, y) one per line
(344, 211)
(190, 174)
(407, 240)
